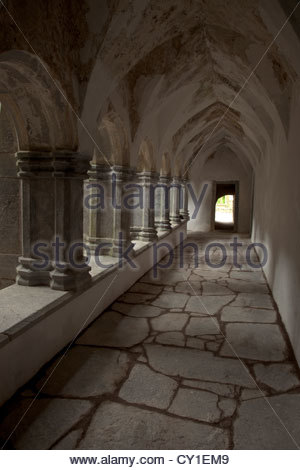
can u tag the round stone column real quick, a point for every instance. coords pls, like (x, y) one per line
(121, 239)
(70, 269)
(175, 196)
(162, 204)
(184, 210)
(147, 231)
(98, 208)
(37, 212)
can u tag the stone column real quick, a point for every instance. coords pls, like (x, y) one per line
(136, 212)
(70, 269)
(175, 196)
(37, 213)
(121, 215)
(184, 209)
(98, 206)
(147, 231)
(162, 204)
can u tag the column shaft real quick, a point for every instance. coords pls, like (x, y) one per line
(121, 215)
(98, 208)
(37, 206)
(70, 269)
(175, 195)
(162, 204)
(184, 210)
(146, 230)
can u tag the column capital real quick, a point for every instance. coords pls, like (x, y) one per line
(148, 176)
(99, 171)
(123, 173)
(32, 164)
(165, 179)
(177, 180)
(70, 164)
(63, 163)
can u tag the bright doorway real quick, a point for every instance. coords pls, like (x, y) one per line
(225, 208)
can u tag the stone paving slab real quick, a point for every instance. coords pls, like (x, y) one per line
(248, 394)
(45, 422)
(255, 276)
(149, 388)
(69, 441)
(213, 288)
(228, 406)
(113, 329)
(212, 346)
(169, 322)
(189, 287)
(196, 404)
(253, 300)
(248, 314)
(207, 303)
(280, 377)
(202, 326)
(258, 427)
(174, 338)
(213, 274)
(196, 343)
(237, 285)
(261, 342)
(219, 389)
(86, 372)
(171, 300)
(117, 426)
(194, 364)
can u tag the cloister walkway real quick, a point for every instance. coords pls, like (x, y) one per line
(196, 358)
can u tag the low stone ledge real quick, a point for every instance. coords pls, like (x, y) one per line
(46, 320)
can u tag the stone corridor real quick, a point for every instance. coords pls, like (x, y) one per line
(196, 358)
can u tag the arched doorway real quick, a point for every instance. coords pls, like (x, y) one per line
(225, 208)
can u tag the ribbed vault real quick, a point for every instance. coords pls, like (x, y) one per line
(176, 73)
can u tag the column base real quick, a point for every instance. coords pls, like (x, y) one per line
(175, 220)
(164, 225)
(30, 275)
(146, 234)
(67, 278)
(185, 215)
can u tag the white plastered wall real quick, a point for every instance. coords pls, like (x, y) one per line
(222, 166)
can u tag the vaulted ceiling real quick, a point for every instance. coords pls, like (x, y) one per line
(178, 78)
(192, 76)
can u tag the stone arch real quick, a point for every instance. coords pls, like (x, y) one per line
(165, 169)
(43, 118)
(179, 166)
(113, 148)
(146, 156)
(39, 123)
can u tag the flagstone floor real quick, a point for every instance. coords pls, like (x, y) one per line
(196, 358)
